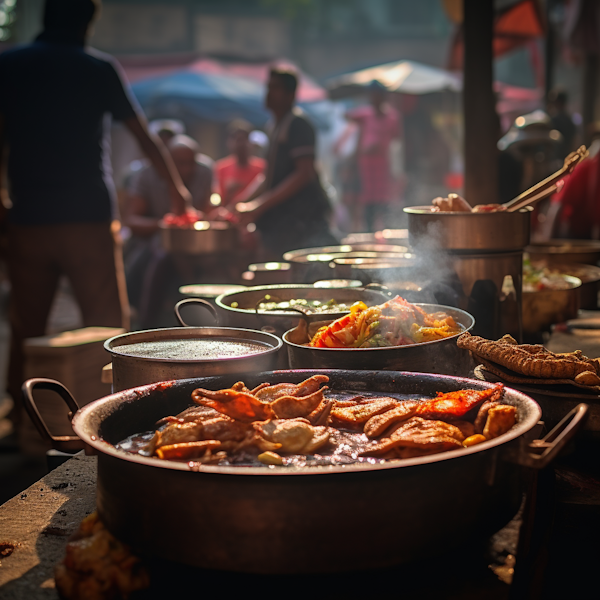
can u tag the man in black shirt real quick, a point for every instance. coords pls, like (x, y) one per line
(55, 107)
(290, 209)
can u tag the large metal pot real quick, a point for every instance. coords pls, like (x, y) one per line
(566, 251)
(544, 308)
(238, 309)
(310, 264)
(490, 232)
(311, 519)
(132, 370)
(203, 237)
(439, 356)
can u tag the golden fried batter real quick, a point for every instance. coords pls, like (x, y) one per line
(357, 415)
(534, 361)
(423, 434)
(500, 419)
(376, 425)
(290, 407)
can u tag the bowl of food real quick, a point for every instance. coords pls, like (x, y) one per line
(548, 297)
(395, 335)
(280, 307)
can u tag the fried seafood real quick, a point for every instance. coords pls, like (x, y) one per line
(457, 404)
(394, 323)
(280, 424)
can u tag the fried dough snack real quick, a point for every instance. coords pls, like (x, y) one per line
(530, 360)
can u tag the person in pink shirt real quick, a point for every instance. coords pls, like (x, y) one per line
(379, 125)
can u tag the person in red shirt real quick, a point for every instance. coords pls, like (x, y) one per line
(234, 174)
(575, 211)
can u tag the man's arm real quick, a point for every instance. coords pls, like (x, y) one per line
(304, 172)
(136, 219)
(154, 149)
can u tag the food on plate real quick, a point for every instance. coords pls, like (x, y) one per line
(298, 424)
(98, 566)
(394, 323)
(537, 278)
(456, 203)
(530, 360)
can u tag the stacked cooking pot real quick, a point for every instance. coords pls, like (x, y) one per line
(484, 253)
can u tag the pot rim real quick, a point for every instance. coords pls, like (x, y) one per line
(274, 341)
(464, 313)
(87, 432)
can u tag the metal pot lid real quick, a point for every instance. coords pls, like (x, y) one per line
(193, 344)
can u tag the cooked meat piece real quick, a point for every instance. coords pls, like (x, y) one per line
(320, 415)
(290, 407)
(220, 428)
(307, 387)
(423, 434)
(499, 420)
(376, 425)
(457, 404)
(355, 416)
(294, 435)
(237, 405)
(194, 413)
(482, 414)
(534, 361)
(466, 427)
(187, 450)
(97, 566)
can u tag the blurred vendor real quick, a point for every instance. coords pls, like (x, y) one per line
(235, 173)
(290, 209)
(148, 202)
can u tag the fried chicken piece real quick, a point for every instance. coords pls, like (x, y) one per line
(193, 413)
(290, 407)
(355, 416)
(376, 425)
(457, 404)
(500, 419)
(533, 361)
(294, 435)
(422, 434)
(237, 405)
(466, 427)
(320, 415)
(221, 428)
(97, 566)
(187, 450)
(305, 388)
(482, 414)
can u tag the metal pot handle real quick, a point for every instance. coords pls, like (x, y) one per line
(59, 442)
(540, 453)
(199, 301)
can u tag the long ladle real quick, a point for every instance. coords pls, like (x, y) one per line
(548, 186)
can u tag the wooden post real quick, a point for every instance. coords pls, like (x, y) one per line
(479, 104)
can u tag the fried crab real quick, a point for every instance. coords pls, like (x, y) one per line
(270, 422)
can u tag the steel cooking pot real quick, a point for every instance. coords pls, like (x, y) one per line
(238, 309)
(565, 251)
(203, 237)
(489, 232)
(144, 357)
(310, 264)
(310, 519)
(439, 356)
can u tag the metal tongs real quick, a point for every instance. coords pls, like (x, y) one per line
(548, 186)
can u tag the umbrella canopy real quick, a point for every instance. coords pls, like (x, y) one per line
(217, 90)
(405, 76)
